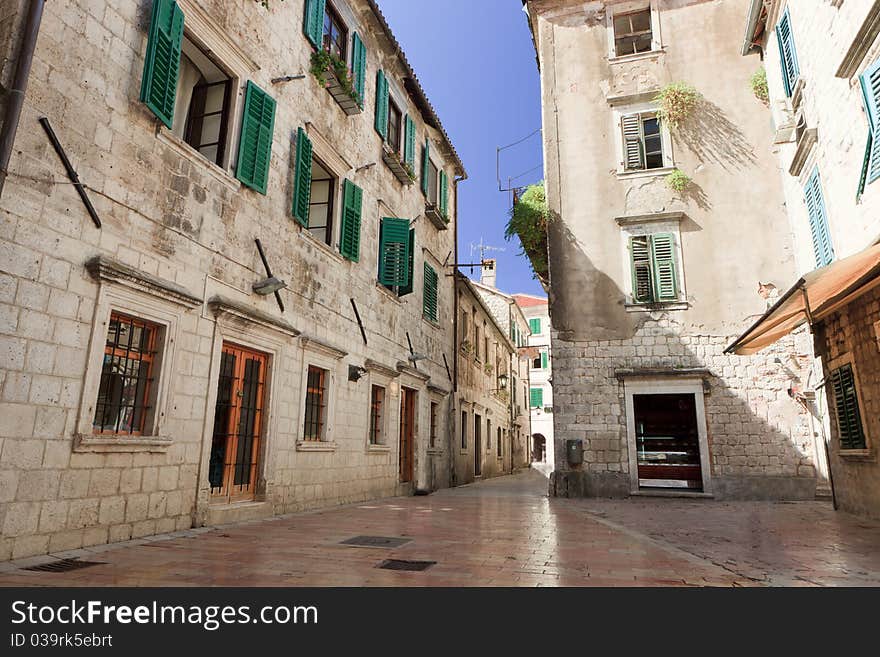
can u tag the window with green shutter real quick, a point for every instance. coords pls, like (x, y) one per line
(409, 143)
(846, 405)
(426, 161)
(536, 398)
(255, 145)
(162, 60)
(313, 22)
(535, 325)
(381, 123)
(444, 192)
(653, 268)
(663, 257)
(787, 53)
(302, 178)
(544, 360)
(429, 302)
(407, 288)
(358, 67)
(350, 233)
(394, 257)
(823, 249)
(870, 83)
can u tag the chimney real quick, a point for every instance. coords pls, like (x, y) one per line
(487, 273)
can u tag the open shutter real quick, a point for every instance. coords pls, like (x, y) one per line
(633, 152)
(822, 247)
(255, 145)
(313, 24)
(358, 67)
(640, 258)
(394, 251)
(543, 360)
(429, 302)
(663, 255)
(382, 105)
(407, 287)
(409, 144)
(162, 60)
(866, 163)
(302, 178)
(536, 398)
(426, 155)
(444, 189)
(870, 81)
(846, 405)
(350, 235)
(787, 53)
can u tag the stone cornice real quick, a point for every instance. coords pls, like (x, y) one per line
(223, 307)
(104, 268)
(374, 366)
(315, 344)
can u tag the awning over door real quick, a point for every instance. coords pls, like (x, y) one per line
(811, 299)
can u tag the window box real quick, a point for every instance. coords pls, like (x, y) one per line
(806, 140)
(401, 170)
(333, 73)
(432, 212)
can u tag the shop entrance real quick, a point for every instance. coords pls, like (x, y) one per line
(667, 441)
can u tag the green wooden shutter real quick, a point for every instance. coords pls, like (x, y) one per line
(381, 105)
(663, 257)
(444, 184)
(407, 288)
(255, 145)
(313, 23)
(429, 301)
(866, 164)
(536, 398)
(822, 246)
(787, 53)
(870, 82)
(409, 144)
(162, 60)
(640, 259)
(633, 152)
(394, 251)
(302, 178)
(543, 360)
(350, 234)
(846, 404)
(359, 67)
(426, 155)
(535, 325)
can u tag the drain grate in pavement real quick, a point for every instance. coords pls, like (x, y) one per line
(376, 541)
(63, 566)
(411, 566)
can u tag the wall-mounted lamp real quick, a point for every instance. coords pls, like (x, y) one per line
(365, 167)
(502, 383)
(268, 286)
(355, 372)
(415, 358)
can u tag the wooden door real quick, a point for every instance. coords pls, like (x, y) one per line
(238, 419)
(407, 433)
(478, 446)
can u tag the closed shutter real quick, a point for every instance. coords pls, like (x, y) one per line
(394, 251)
(633, 151)
(822, 247)
(846, 404)
(407, 287)
(409, 144)
(313, 24)
(350, 233)
(663, 255)
(640, 258)
(870, 81)
(302, 178)
(444, 184)
(162, 60)
(429, 303)
(358, 67)
(536, 398)
(787, 53)
(535, 325)
(426, 155)
(381, 105)
(544, 360)
(255, 145)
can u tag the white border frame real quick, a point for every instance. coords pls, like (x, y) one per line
(628, 8)
(652, 228)
(311, 356)
(644, 107)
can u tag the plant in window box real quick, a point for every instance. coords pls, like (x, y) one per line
(677, 102)
(466, 347)
(678, 181)
(488, 368)
(503, 395)
(329, 70)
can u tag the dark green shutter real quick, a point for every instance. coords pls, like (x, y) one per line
(382, 105)
(313, 23)
(536, 398)
(426, 155)
(359, 66)
(787, 53)
(640, 259)
(429, 303)
(815, 201)
(846, 404)
(870, 82)
(444, 189)
(394, 251)
(255, 145)
(535, 325)
(543, 360)
(663, 256)
(162, 60)
(350, 234)
(409, 144)
(302, 178)
(407, 288)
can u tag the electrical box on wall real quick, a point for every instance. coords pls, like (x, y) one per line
(574, 451)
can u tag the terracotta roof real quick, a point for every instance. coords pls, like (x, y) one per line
(527, 300)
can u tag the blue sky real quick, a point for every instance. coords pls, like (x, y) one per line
(476, 62)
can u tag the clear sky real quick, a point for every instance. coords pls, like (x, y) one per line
(476, 63)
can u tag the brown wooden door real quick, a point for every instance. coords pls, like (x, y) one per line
(407, 433)
(238, 419)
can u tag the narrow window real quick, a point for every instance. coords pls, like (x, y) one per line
(787, 53)
(536, 362)
(464, 426)
(335, 33)
(654, 268)
(395, 122)
(642, 142)
(127, 376)
(500, 448)
(432, 182)
(632, 32)
(823, 248)
(377, 401)
(537, 398)
(433, 424)
(846, 404)
(488, 435)
(315, 404)
(323, 191)
(535, 325)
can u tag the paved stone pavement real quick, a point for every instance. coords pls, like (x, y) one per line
(502, 532)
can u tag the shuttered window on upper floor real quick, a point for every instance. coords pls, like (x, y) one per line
(823, 248)
(870, 84)
(536, 398)
(846, 406)
(394, 252)
(642, 141)
(162, 60)
(787, 53)
(654, 269)
(429, 302)
(255, 143)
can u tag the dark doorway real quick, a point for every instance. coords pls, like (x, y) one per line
(539, 448)
(478, 446)
(407, 433)
(667, 441)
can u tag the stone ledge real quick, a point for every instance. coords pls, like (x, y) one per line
(221, 306)
(315, 446)
(104, 268)
(314, 344)
(103, 445)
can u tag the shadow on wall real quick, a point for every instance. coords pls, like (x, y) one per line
(712, 137)
(760, 445)
(693, 193)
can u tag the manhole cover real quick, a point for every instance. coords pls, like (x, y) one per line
(400, 564)
(376, 541)
(63, 566)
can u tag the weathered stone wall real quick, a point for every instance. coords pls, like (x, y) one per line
(170, 214)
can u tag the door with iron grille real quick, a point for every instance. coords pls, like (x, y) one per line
(238, 420)
(407, 433)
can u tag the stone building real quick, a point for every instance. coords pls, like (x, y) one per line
(487, 364)
(537, 311)
(823, 81)
(158, 372)
(649, 283)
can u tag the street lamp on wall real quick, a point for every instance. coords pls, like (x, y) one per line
(502, 383)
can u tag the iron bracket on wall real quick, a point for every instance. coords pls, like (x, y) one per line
(268, 272)
(71, 172)
(360, 323)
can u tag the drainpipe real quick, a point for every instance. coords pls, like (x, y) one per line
(19, 86)
(453, 404)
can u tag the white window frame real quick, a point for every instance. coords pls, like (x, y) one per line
(650, 228)
(327, 357)
(648, 107)
(628, 8)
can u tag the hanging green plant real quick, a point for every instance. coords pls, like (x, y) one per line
(759, 85)
(528, 221)
(324, 63)
(677, 102)
(678, 180)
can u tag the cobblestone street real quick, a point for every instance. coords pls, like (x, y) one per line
(502, 532)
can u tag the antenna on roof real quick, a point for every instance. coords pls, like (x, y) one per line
(482, 249)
